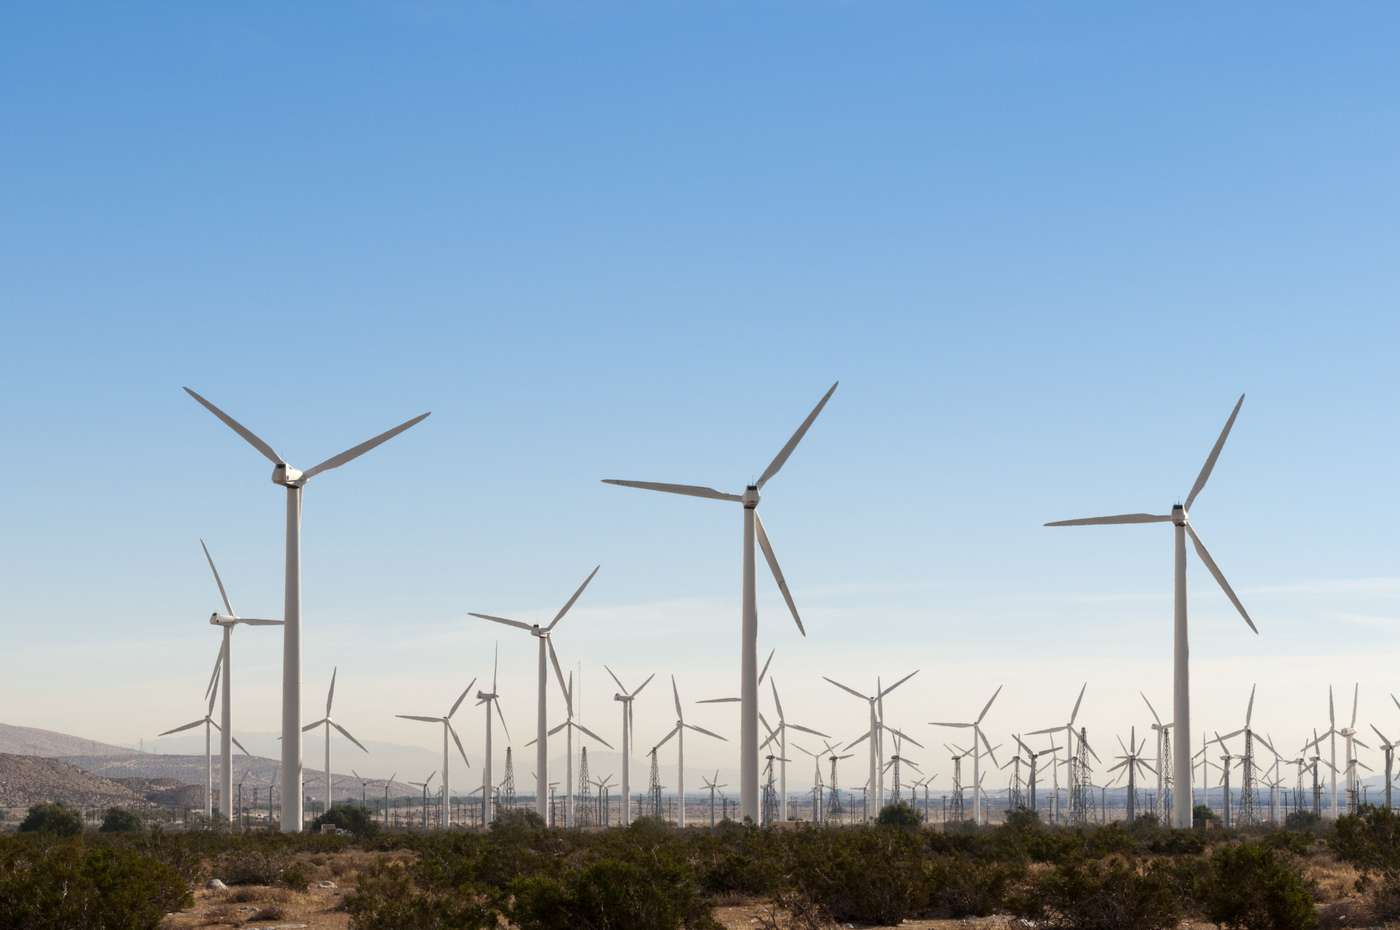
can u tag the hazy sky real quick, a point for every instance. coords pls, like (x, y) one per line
(1044, 249)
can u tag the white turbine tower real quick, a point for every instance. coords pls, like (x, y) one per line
(447, 728)
(294, 480)
(748, 675)
(626, 698)
(327, 722)
(978, 737)
(569, 726)
(488, 699)
(227, 621)
(780, 734)
(546, 647)
(1181, 679)
(875, 786)
(210, 692)
(678, 731)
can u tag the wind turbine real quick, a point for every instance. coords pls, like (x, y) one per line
(678, 731)
(977, 737)
(1159, 730)
(1131, 762)
(875, 794)
(1388, 748)
(211, 692)
(780, 734)
(1033, 757)
(327, 722)
(713, 786)
(546, 646)
(424, 785)
(227, 621)
(489, 699)
(569, 726)
(626, 697)
(294, 480)
(1181, 679)
(447, 728)
(1069, 744)
(748, 677)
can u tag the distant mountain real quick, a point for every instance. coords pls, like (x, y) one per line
(26, 780)
(29, 741)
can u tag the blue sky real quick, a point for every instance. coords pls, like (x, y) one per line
(1043, 249)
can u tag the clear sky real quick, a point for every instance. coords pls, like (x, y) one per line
(1043, 248)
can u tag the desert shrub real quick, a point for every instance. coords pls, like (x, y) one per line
(66, 885)
(859, 875)
(351, 817)
(1302, 820)
(956, 886)
(119, 820)
(1251, 886)
(1297, 842)
(898, 814)
(1201, 815)
(1369, 839)
(1384, 898)
(608, 895)
(1112, 894)
(736, 859)
(387, 898)
(58, 819)
(295, 875)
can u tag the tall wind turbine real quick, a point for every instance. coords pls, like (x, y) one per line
(327, 722)
(678, 731)
(780, 734)
(546, 646)
(1181, 679)
(626, 698)
(447, 728)
(488, 699)
(978, 737)
(875, 793)
(569, 726)
(748, 674)
(211, 692)
(227, 621)
(294, 480)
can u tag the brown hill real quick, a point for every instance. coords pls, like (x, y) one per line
(31, 741)
(26, 780)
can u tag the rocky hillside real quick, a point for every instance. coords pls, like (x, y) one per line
(31, 741)
(26, 780)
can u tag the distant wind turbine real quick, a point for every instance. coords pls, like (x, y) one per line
(327, 722)
(678, 731)
(626, 698)
(447, 729)
(211, 692)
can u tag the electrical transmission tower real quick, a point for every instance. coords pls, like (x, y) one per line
(508, 782)
(1249, 788)
(654, 787)
(583, 806)
(769, 811)
(1081, 797)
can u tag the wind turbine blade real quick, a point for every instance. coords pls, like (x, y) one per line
(767, 548)
(188, 726)
(268, 452)
(1126, 750)
(240, 746)
(798, 726)
(858, 740)
(764, 720)
(989, 704)
(766, 662)
(1219, 577)
(559, 675)
(778, 703)
(257, 621)
(1331, 709)
(570, 602)
(346, 733)
(991, 752)
(493, 619)
(1249, 711)
(1077, 701)
(223, 595)
(330, 695)
(643, 684)
(495, 666)
(675, 693)
(214, 676)
(691, 726)
(456, 739)
(461, 698)
(415, 717)
(1116, 518)
(664, 740)
(1041, 732)
(316, 723)
(1085, 741)
(730, 700)
(1384, 741)
(897, 683)
(355, 452)
(587, 732)
(846, 689)
(938, 723)
(1149, 707)
(617, 680)
(771, 736)
(690, 490)
(786, 450)
(1209, 466)
(905, 736)
(1355, 693)
(502, 716)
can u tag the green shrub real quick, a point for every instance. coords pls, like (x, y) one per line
(1105, 895)
(898, 814)
(58, 819)
(1369, 839)
(608, 895)
(858, 874)
(118, 820)
(351, 817)
(295, 875)
(1302, 820)
(68, 885)
(1201, 814)
(387, 898)
(1251, 886)
(257, 864)
(957, 886)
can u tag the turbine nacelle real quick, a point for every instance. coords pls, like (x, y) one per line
(1178, 515)
(287, 476)
(750, 498)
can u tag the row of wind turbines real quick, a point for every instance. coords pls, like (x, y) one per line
(294, 481)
